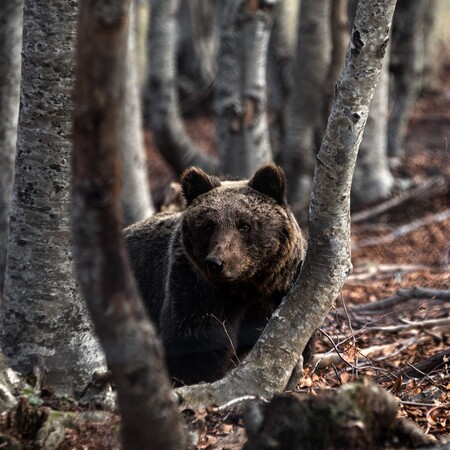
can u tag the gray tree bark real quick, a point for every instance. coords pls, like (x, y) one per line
(11, 21)
(407, 61)
(373, 179)
(269, 366)
(163, 109)
(280, 63)
(306, 120)
(196, 51)
(135, 356)
(240, 90)
(137, 203)
(45, 326)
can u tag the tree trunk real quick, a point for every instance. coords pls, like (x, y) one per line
(196, 53)
(134, 354)
(281, 52)
(11, 21)
(306, 120)
(45, 324)
(269, 366)
(373, 180)
(407, 60)
(163, 103)
(240, 89)
(137, 203)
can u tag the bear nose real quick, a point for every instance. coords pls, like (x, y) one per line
(213, 263)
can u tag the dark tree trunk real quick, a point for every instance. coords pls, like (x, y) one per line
(134, 354)
(11, 21)
(269, 366)
(45, 325)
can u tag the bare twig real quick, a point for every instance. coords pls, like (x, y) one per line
(432, 186)
(403, 230)
(362, 274)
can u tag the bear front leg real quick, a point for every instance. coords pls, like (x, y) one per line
(200, 353)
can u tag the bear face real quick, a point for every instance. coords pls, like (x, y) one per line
(241, 233)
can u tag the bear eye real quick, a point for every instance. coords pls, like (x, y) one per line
(244, 227)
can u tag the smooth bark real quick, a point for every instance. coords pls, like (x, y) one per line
(240, 96)
(11, 22)
(306, 118)
(134, 354)
(269, 366)
(280, 63)
(163, 109)
(373, 179)
(137, 203)
(407, 62)
(45, 325)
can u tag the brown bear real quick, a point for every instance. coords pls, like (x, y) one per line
(211, 275)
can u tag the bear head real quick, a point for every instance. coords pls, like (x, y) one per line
(241, 233)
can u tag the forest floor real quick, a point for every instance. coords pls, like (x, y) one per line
(400, 254)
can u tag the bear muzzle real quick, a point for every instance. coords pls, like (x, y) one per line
(213, 264)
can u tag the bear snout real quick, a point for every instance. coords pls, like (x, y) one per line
(213, 264)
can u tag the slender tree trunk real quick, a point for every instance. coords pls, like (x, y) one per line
(306, 121)
(45, 324)
(137, 203)
(11, 22)
(196, 52)
(373, 180)
(268, 367)
(163, 107)
(134, 354)
(240, 89)
(282, 45)
(430, 75)
(407, 60)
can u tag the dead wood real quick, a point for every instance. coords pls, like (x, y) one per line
(402, 296)
(403, 230)
(358, 416)
(420, 370)
(429, 188)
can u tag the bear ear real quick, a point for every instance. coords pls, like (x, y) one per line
(271, 181)
(195, 182)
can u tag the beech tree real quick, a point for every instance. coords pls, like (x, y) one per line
(11, 19)
(133, 352)
(45, 326)
(242, 133)
(137, 203)
(307, 108)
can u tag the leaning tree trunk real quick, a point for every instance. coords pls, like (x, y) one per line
(407, 61)
(134, 354)
(11, 21)
(240, 89)
(162, 105)
(269, 366)
(137, 203)
(45, 324)
(306, 118)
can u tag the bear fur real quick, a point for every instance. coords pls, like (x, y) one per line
(211, 275)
